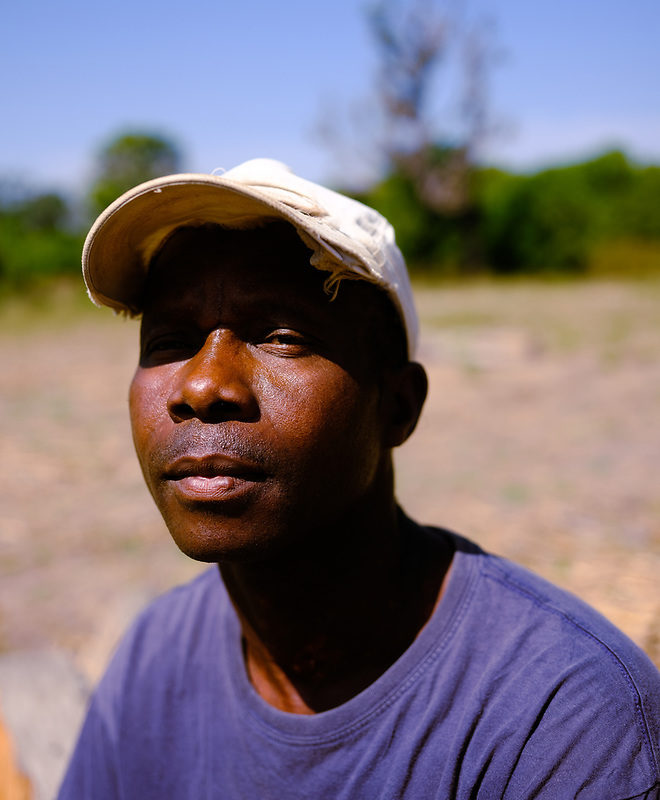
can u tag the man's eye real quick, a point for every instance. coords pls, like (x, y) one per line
(285, 337)
(169, 347)
(288, 341)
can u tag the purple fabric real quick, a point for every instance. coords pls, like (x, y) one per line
(514, 689)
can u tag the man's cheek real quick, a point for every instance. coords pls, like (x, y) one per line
(144, 427)
(147, 402)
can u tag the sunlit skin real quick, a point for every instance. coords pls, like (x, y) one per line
(264, 423)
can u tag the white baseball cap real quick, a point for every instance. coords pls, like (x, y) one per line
(347, 238)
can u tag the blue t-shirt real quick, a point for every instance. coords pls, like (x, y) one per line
(514, 689)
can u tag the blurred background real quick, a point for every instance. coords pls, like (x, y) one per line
(515, 147)
(500, 137)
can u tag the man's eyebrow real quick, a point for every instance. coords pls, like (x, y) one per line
(300, 306)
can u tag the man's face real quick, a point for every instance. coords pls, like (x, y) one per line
(256, 417)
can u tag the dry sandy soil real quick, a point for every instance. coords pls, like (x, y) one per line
(540, 440)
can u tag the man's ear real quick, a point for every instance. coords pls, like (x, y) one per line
(405, 391)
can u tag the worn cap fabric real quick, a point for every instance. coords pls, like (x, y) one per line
(347, 238)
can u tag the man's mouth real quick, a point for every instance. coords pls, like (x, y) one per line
(212, 478)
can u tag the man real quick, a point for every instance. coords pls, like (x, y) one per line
(340, 650)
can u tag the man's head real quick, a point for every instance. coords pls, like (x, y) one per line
(265, 408)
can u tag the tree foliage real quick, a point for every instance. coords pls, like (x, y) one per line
(451, 214)
(37, 239)
(551, 221)
(129, 159)
(599, 215)
(40, 236)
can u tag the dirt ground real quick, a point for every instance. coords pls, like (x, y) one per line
(540, 440)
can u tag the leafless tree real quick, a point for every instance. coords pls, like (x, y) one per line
(414, 41)
(423, 47)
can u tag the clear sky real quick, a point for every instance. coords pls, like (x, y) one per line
(234, 79)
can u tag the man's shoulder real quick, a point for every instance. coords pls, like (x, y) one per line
(550, 677)
(518, 598)
(557, 615)
(520, 611)
(176, 625)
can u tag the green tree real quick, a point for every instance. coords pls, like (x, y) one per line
(429, 240)
(45, 212)
(29, 253)
(36, 239)
(129, 159)
(639, 208)
(540, 223)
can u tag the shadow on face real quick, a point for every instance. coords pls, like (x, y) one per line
(270, 267)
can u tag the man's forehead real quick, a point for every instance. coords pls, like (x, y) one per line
(267, 260)
(273, 231)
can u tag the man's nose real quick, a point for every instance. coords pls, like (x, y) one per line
(216, 384)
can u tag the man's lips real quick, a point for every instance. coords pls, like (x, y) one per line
(214, 477)
(213, 466)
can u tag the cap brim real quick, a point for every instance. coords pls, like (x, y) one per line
(123, 239)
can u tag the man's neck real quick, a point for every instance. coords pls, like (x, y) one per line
(323, 624)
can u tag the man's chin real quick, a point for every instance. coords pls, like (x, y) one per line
(228, 546)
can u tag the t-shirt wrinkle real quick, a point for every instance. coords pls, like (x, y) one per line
(546, 604)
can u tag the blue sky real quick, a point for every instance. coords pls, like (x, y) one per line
(235, 79)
